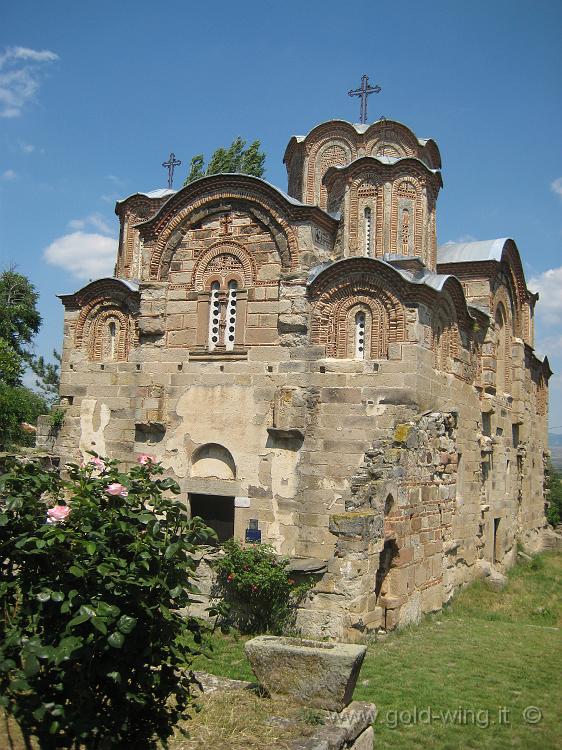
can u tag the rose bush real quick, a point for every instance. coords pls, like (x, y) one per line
(254, 584)
(93, 571)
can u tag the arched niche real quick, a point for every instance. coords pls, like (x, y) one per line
(213, 460)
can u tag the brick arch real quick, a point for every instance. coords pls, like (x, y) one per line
(92, 325)
(172, 228)
(247, 267)
(503, 333)
(446, 333)
(394, 135)
(502, 297)
(333, 153)
(445, 339)
(407, 194)
(337, 137)
(343, 319)
(367, 190)
(353, 291)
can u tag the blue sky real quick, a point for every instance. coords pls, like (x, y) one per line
(93, 97)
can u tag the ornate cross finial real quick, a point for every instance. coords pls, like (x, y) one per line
(364, 92)
(170, 165)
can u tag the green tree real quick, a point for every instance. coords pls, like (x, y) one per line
(19, 317)
(19, 409)
(11, 364)
(48, 374)
(19, 322)
(236, 158)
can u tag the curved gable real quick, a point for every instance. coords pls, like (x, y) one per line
(214, 195)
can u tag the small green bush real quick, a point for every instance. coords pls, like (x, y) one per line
(93, 571)
(56, 419)
(254, 584)
(554, 486)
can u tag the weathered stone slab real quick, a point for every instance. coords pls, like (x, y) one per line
(306, 565)
(365, 741)
(355, 719)
(314, 673)
(364, 524)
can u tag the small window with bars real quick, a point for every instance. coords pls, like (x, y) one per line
(222, 316)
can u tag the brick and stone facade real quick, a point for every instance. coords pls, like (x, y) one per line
(313, 363)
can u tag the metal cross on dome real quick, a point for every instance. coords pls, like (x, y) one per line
(170, 165)
(364, 92)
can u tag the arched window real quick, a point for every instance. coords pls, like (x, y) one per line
(360, 335)
(367, 231)
(222, 315)
(501, 349)
(112, 339)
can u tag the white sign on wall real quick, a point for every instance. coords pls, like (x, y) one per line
(241, 502)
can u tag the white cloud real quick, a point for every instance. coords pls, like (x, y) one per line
(556, 186)
(549, 287)
(95, 220)
(461, 239)
(27, 148)
(20, 74)
(9, 174)
(86, 255)
(24, 53)
(116, 180)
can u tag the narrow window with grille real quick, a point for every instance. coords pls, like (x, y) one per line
(214, 316)
(367, 231)
(230, 319)
(360, 335)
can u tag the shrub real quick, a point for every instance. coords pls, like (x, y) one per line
(56, 419)
(93, 650)
(17, 406)
(254, 583)
(554, 487)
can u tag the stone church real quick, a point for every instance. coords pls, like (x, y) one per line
(318, 375)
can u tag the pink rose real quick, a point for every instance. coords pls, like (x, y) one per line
(58, 513)
(144, 459)
(97, 462)
(117, 489)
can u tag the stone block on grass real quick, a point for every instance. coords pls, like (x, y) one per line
(313, 673)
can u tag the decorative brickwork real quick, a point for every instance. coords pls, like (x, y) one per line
(392, 139)
(223, 262)
(402, 198)
(106, 331)
(445, 342)
(134, 210)
(331, 155)
(188, 207)
(367, 191)
(406, 214)
(336, 308)
(384, 138)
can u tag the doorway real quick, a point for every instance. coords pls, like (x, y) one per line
(217, 511)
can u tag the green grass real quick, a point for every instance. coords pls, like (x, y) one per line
(487, 656)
